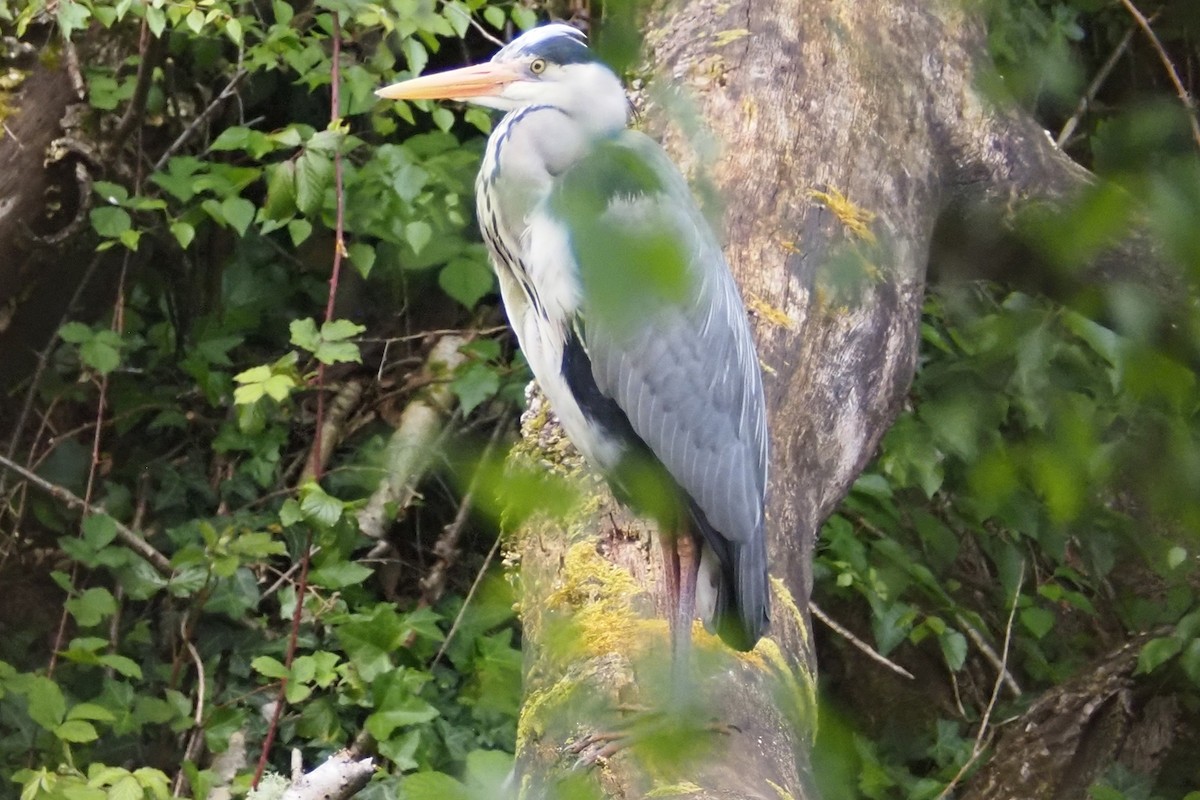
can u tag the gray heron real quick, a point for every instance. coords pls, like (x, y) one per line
(625, 308)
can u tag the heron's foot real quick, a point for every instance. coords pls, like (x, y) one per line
(650, 727)
(597, 747)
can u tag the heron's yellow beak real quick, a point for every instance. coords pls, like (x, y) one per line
(481, 80)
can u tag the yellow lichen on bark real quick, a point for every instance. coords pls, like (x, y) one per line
(857, 220)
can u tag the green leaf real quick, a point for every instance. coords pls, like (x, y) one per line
(233, 29)
(121, 664)
(954, 649)
(77, 731)
(362, 256)
(92, 607)
(474, 384)
(319, 506)
(434, 786)
(495, 16)
(340, 574)
(128, 788)
(304, 334)
(269, 667)
(524, 18)
(91, 711)
(466, 280)
(1176, 556)
(1038, 621)
(46, 704)
(195, 20)
(156, 20)
(110, 222)
(299, 230)
(232, 138)
(1156, 652)
(443, 118)
(281, 191)
(238, 212)
(314, 174)
(113, 193)
(183, 232)
(75, 332)
(1190, 661)
(410, 710)
(417, 234)
(102, 352)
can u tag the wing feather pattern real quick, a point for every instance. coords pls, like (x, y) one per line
(665, 331)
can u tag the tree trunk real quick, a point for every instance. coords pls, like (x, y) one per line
(836, 133)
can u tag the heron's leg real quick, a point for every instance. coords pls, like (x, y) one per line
(688, 556)
(671, 573)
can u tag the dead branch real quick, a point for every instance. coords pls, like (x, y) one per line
(338, 778)
(131, 538)
(330, 431)
(411, 444)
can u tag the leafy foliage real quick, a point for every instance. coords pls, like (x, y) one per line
(219, 209)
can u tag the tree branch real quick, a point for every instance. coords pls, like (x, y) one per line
(131, 538)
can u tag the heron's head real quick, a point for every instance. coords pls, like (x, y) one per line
(546, 66)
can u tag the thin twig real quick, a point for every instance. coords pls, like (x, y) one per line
(148, 52)
(191, 129)
(990, 655)
(43, 360)
(293, 639)
(487, 562)
(484, 32)
(329, 429)
(339, 251)
(1094, 88)
(871, 652)
(1180, 89)
(979, 745)
(446, 548)
(131, 538)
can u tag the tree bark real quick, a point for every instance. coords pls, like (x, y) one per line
(835, 134)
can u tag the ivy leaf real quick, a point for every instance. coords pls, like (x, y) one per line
(340, 574)
(319, 506)
(434, 786)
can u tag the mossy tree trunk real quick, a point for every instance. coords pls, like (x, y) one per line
(836, 135)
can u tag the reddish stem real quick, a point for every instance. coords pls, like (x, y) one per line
(339, 251)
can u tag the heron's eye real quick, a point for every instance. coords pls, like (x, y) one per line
(537, 66)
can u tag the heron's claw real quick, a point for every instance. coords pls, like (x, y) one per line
(597, 747)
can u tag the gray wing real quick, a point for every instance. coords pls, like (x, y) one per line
(666, 332)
